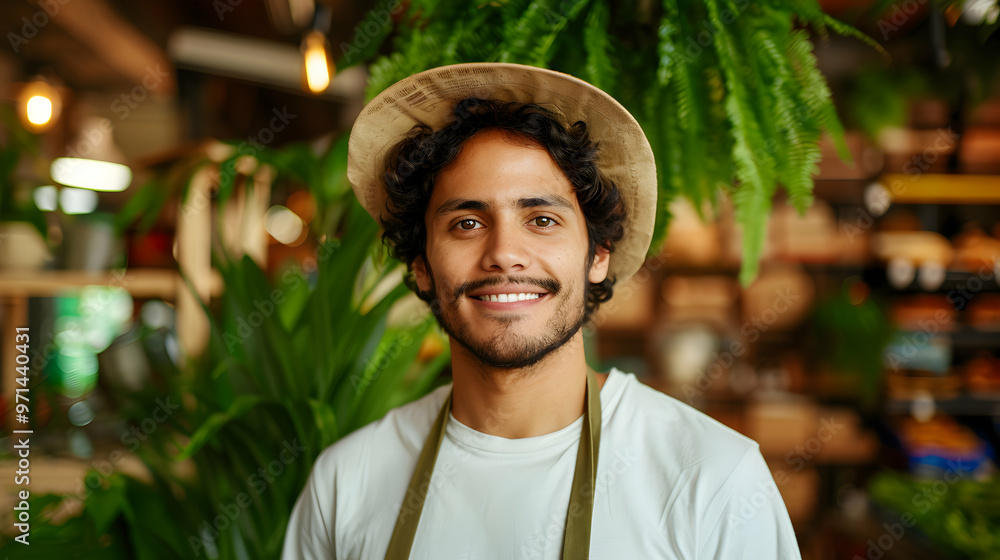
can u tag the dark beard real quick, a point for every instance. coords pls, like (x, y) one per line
(528, 352)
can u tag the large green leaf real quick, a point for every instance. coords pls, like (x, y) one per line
(207, 430)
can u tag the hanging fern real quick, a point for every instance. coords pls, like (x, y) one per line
(599, 68)
(727, 91)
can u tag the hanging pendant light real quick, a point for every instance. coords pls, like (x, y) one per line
(94, 161)
(317, 64)
(39, 105)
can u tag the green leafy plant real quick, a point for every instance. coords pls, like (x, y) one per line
(727, 92)
(945, 61)
(293, 363)
(962, 519)
(850, 338)
(15, 201)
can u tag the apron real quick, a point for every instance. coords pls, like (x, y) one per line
(576, 540)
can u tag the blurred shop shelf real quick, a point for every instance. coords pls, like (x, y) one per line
(942, 188)
(141, 283)
(962, 405)
(971, 337)
(859, 538)
(958, 283)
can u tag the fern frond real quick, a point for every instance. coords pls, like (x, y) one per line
(815, 92)
(798, 154)
(725, 102)
(690, 106)
(752, 198)
(662, 132)
(542, 53)
(520, 35)
(599, 70)
(666, 51)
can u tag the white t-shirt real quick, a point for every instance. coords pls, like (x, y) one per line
(672, 483)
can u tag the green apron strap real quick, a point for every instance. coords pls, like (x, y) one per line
(576, 540)
(409, 518)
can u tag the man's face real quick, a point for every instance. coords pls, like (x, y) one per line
(504, 219)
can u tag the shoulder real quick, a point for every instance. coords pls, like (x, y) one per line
(713, 488)
(676, 432)
(357, 479)
(397, 435)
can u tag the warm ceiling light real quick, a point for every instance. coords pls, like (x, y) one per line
(39, 106)
(318, 67)
(39, 110)
(91, 174)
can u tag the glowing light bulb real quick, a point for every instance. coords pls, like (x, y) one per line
(317, 63)
(39, 105)
(39, 110)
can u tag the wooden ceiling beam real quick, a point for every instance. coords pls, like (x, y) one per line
(119, 43)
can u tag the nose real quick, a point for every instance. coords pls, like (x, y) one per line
(505, 251)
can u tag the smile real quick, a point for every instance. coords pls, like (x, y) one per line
(508, 302)
(505, 298)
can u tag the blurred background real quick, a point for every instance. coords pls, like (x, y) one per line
(200, 294)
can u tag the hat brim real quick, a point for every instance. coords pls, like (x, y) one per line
(429, 98)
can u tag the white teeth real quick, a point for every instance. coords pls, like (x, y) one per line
(507, 298)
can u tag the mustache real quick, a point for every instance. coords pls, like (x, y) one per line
(548, 284)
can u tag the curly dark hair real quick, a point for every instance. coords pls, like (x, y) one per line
(413, 164)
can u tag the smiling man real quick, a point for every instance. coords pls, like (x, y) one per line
(519, 197)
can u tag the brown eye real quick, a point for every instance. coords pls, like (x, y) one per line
(544, 221)
(471, 223)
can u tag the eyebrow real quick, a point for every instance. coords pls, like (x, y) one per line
(455, 204)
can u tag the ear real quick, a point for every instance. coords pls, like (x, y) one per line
(599, 270)
(420, 274)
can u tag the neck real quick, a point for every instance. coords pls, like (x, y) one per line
(521, 402)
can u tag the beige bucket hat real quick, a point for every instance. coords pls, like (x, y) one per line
(429, 98)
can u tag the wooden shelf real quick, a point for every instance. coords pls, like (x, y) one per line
(161, 283)
(942, 188)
